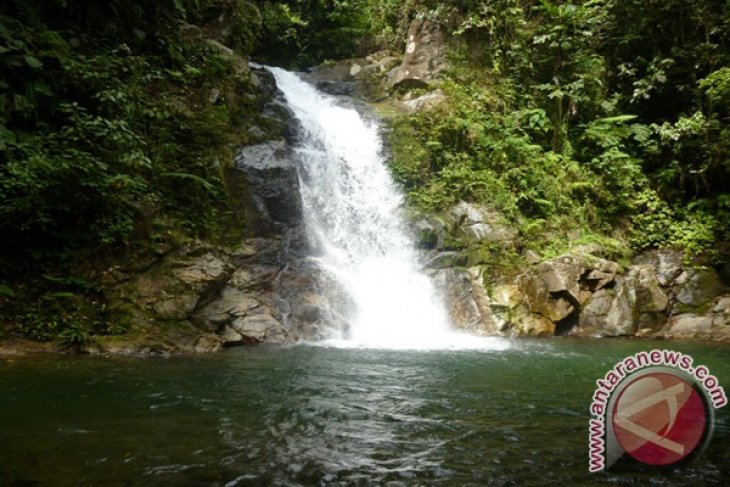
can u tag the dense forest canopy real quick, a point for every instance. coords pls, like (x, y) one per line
(606, 117)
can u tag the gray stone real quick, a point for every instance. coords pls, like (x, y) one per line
(231, 303)
(686, 325)
(649, 298)
(264, 187)
(668, 264)
(722, 305)
(202, 271)
(539, 299)
(599, 279)
(256, 132)
(700, 287)
(443, 260)
(561, 274)
(425, 55)
(608, 313)
(207, 343)
(466, 301)
(473, 224)
(255, 328)
(621, 320)
(505, 296)
(229, 336)
(425, 102)
(533, 325)
(593, 315)
(177, 307)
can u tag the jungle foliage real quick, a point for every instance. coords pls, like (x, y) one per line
(111, 138)
(602, 117)
(579, 120)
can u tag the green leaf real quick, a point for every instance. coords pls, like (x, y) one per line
(7, 291)
(61, 294)
(191, 177)
(617, 119)
(180, 7)
(33, 62)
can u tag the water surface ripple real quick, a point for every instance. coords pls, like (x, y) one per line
(325, 416)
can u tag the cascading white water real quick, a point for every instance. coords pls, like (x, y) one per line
(352, 212)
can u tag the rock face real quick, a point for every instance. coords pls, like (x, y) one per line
(425, 102)
(475, 223)
(258, 292)
(265, 188)
(576, 294)
(466, 301)
(425, 55)
(586, 296)
(469, 223)
(202, 297)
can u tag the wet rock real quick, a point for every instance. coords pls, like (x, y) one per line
(506, 296)
(473, 224)
(430, 233)
(336, 72)
(688, 325)
(540, 301)
(667, 263)
(443, 260)
(533, 325)
(338, 88)
(208, 343)
(697, 287)
(466, 301)
(259, 327)
(648, 296)
(593, 315)
(425, 55)
(264, 187)
(425, 102)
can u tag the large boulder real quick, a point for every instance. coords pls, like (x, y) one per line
(425, 102)
(540, 300)
(713, 324)
(668, 264)
(176, 287)
(562, 289)
(314, 306)
(466, 301)
(695, 288)
(474, 224)
(637, 304)
(425, 55)
(264, 188)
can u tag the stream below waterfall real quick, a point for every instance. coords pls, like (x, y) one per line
(310, 415)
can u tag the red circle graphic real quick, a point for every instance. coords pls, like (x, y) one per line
(659, 419)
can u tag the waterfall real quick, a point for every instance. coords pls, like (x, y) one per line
(353, 216)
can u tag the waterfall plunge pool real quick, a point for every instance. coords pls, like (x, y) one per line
(312, 415)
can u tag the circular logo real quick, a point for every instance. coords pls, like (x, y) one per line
(660, 418)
